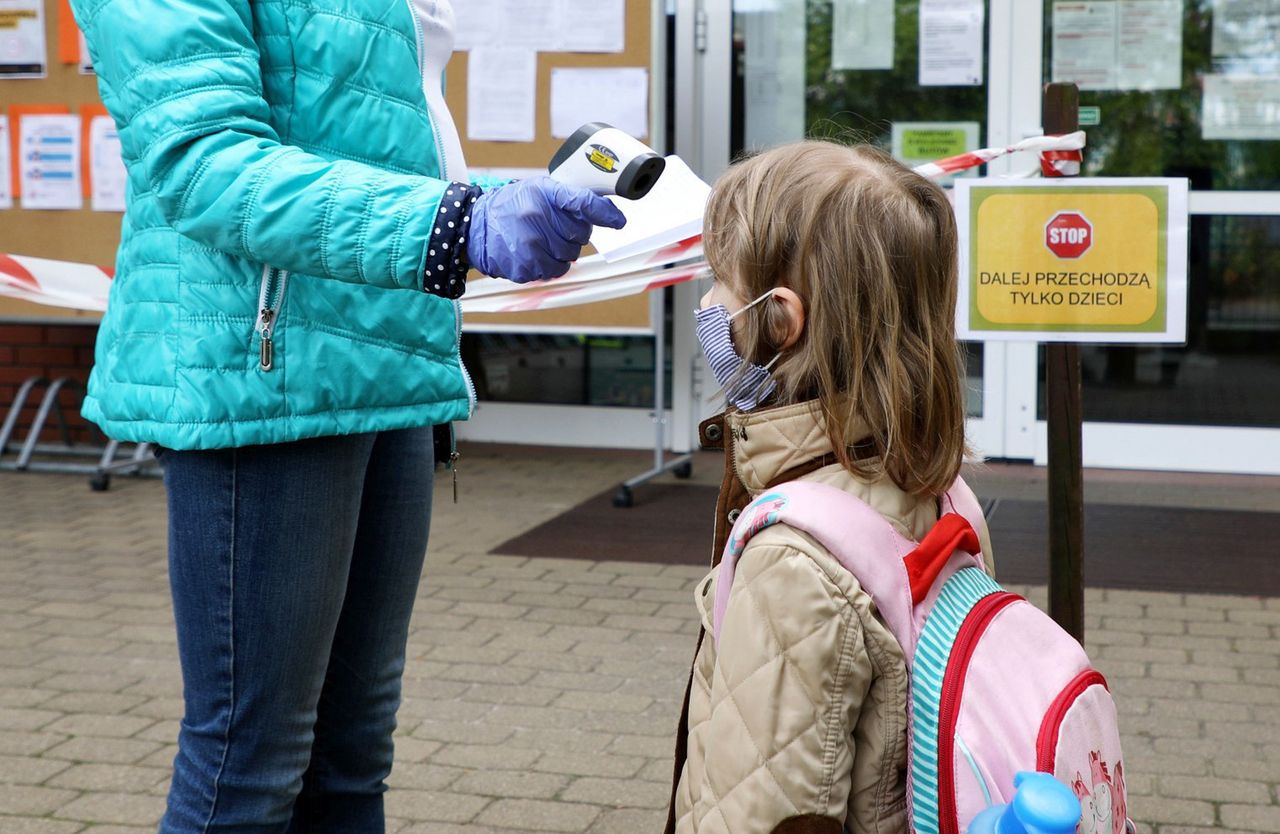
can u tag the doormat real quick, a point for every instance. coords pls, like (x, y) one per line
(1126, 546)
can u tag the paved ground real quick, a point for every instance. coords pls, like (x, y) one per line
(541, 695)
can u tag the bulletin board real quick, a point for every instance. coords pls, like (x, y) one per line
(83, 236)
(623, 314)
(87, 236)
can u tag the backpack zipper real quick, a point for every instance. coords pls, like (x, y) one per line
(949, 707)
(270, 297)
(1047, 741)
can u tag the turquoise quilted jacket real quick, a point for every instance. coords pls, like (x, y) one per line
(283, 173)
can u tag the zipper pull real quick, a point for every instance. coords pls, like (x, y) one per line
(453, 466)
(266, 352)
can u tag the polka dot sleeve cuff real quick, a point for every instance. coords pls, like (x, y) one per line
(445, 273)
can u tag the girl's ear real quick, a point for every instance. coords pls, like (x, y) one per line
(792, 307)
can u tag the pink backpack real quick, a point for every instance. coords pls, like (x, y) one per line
(996, 686)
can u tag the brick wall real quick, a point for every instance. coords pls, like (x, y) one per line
(51, 351)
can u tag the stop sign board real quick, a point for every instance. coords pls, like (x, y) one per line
(1068, 234)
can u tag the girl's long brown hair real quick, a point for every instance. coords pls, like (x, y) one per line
(870, 247)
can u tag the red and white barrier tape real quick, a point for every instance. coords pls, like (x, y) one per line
(85, 287)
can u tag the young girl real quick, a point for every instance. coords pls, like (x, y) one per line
(830, 326)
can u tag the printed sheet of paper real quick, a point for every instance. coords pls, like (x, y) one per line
(773, 78)
(1247, 31)
(23, 49)
(476, 25)
(951, 43)
(1241, 108)
(501, 94)
(106, 169)
(669, 213)
(861, 35)
(915, 143)
(6, 166)
(532, 24)
(1149, 45)
(1084, 44)
(592, 25)
(86, 62)
(49, 162)
(616, 96)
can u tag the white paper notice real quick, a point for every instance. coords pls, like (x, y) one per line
(1246, 29)
(669, 213)
(619, 97)
(951, 42)
(1241, 108)
(592, 25)
(501, 94)
(476, 25)
(6, 178)
(1084, 44)
(23, 51)
(773, 79)
(49, 162)
(534, 24)
(1149, 45)
(106, 169)
(861, 34)
(86, 61)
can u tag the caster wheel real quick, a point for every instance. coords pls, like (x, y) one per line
(623, 497)
(684, 470)
(100, 483)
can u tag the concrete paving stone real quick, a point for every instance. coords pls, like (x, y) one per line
(118, 829)
(1249, 770)
(631, 607)
(1157, 763)
(109, 778)
(430, 689)
(599, 593)
(1265, 677)
(663, 583)
(140, 616)
(617, 793)
(440, 623)
(104, 664)
(103, 703)
(493, 593)
(1186, 708)
(16, 602)
(128, 599)
(620, 568)
(489, 653)
(659, 771)
(159, 708)
(1152, 688)
(1125, 596)
(534, 696)
(1251, 732)
(480, 732)
(1143, 654)
(539, 815)
(480, 673)
(91, 724)
(590, 764)
(1215, 789)
(32, 801)
(505, 757)
(160, 758)
(25, 718)
(1159, 809)
(1120, 668)
(1189, 642)
(549, 740)
(1235, 630)
(21, 639)
(645, 623)
(577, 681)
(1252, 645)
(29, 770)
(1244, 660)
(1251, 817)
(33, 825)
(674, 596)
(103, 750)
(168, 685)
(662, 640)
(581, 576)
(1196, 672)
(24, 743)
(617, 650)
(547, 600)
(12, 697)
(556, 662)
(1254, 616)
(163, 634)
(90, 682)
(433, 805)
(653, 747)
(1241, 693)
(70, 609)
(660, 720)
(1147, 625)
(629, 821)
(517, 642)
(15, 678)
(1206, 748)
(620, 702)
(509, 784)
(10, 621)
(566, 616)
(461, 711)
(588, 634)
(421, 776)
(165, 732)
(451, 828)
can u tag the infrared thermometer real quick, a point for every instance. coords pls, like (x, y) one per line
(607, 161)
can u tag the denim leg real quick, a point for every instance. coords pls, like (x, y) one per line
(351, 757)
(260, 544)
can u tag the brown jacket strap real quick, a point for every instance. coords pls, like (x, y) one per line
(682, 738)
(809, 824)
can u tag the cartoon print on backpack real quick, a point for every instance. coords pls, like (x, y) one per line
(1102, 802)
(760, 514)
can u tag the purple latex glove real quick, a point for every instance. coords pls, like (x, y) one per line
(533, 229)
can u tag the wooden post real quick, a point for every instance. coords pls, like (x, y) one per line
(1066, 478)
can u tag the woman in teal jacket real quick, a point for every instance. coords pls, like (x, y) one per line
(284, 326)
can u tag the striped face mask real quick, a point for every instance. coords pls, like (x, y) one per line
(753, 383)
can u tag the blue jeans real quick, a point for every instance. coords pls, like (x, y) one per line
(294, 569)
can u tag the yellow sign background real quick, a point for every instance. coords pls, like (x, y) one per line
(1009, 238)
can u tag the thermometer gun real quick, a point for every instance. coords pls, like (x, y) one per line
(607, 161)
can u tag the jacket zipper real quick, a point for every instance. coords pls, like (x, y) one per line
(1047, 742)
(270, 297)
(949, 707)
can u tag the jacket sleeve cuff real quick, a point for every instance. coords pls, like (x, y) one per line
(445, 267)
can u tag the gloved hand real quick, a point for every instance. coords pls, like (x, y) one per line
(532, 229)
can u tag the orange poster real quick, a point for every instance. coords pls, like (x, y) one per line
(68, 34)
(87, 114)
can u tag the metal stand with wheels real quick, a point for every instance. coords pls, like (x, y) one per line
(682, 465)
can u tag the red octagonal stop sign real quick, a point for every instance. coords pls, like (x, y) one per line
(1068, 234)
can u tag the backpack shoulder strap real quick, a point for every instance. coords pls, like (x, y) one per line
(897, 572)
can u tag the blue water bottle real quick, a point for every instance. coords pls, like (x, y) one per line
(1041, 805)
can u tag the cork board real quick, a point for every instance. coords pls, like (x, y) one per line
(83, 236)
(86, 236)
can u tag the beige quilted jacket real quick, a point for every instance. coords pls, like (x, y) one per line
(798, 723)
